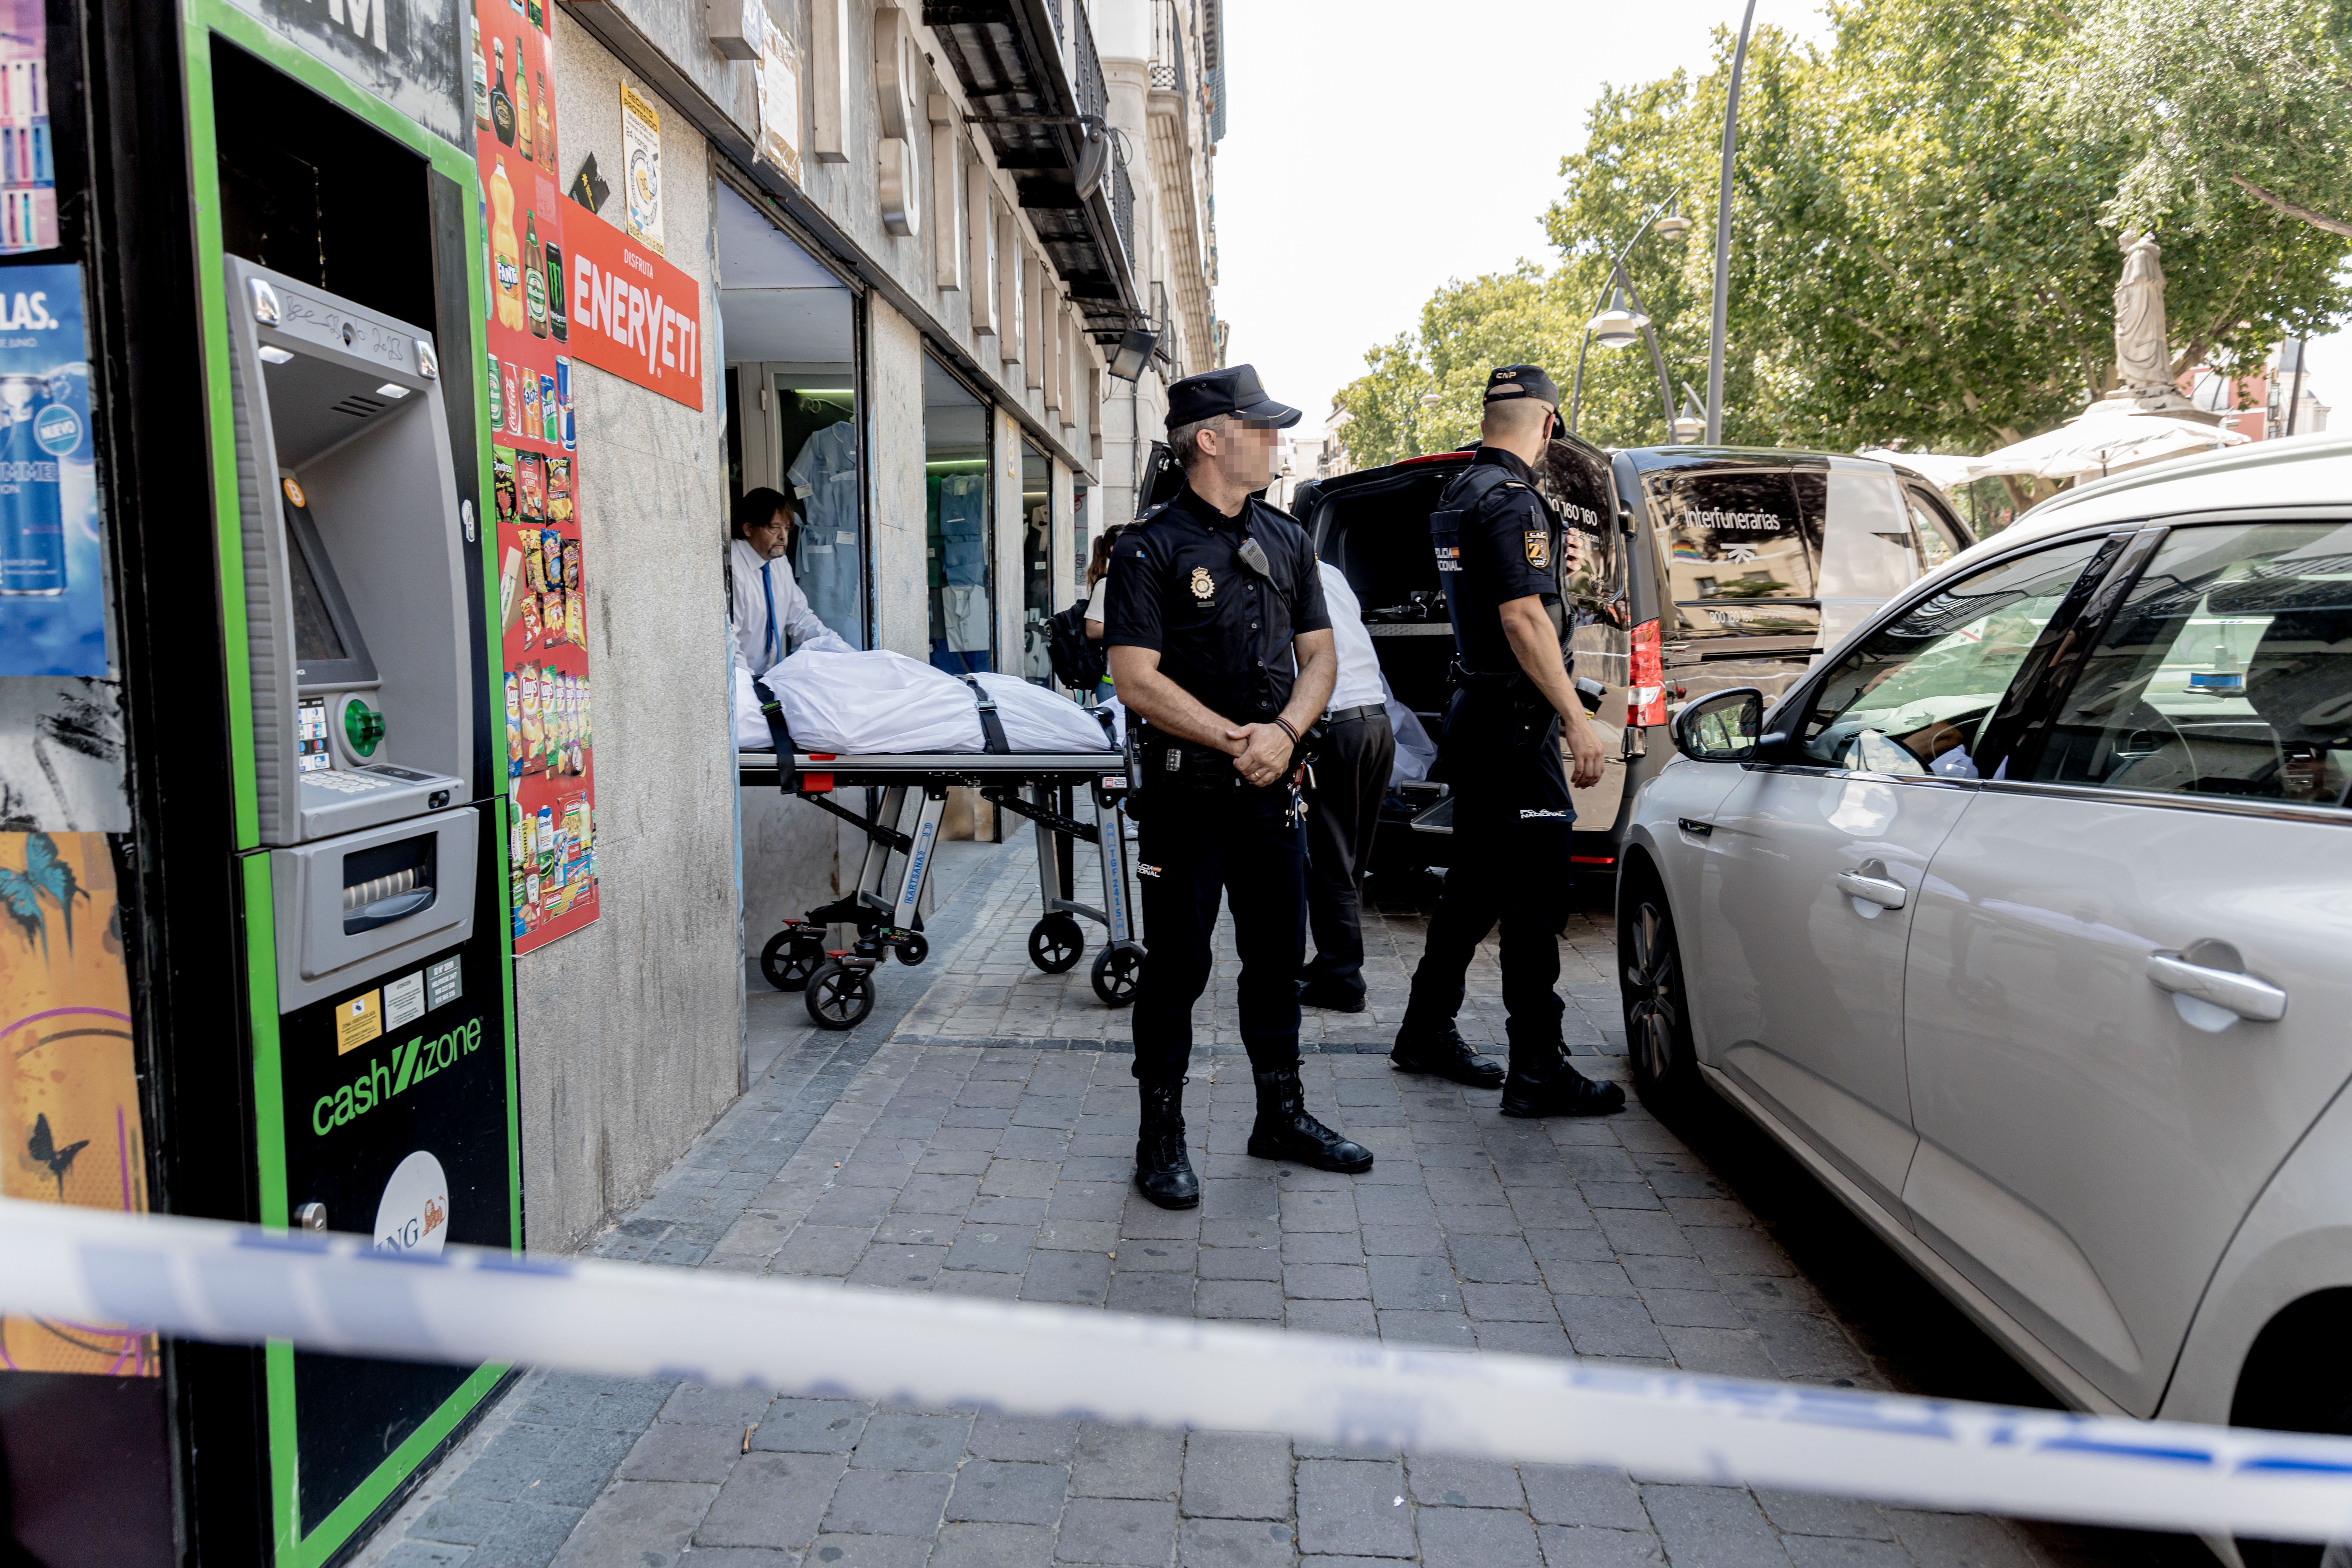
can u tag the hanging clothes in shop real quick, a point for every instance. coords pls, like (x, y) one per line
(826, 562)
(964, 622)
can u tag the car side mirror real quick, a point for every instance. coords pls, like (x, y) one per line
(1721, 726)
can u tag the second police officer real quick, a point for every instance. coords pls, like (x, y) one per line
(1499, 546)
(1221, 647)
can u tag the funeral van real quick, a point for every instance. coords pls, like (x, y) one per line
(1690, 570)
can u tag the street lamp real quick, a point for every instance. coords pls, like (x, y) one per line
(1691, 423)
(1722, 238)
(1616, 327)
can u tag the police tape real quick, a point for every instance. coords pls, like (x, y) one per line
(237, 1284)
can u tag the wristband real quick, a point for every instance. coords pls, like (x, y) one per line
(1286, 729)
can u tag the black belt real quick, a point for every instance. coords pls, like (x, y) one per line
(1362, 710)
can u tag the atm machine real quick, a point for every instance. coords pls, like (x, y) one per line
(384, 967)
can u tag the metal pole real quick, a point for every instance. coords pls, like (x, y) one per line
(1616, 271)
(1657, 360)
(1723, 239)
(2296, 385)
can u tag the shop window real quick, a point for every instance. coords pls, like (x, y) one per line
(1036, 563)
(960, 525)
(816, 429)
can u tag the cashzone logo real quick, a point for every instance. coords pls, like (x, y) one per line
(406, 1065)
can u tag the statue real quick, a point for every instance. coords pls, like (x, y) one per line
(2143, 357)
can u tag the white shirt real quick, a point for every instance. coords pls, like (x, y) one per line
(796, 624)
(1359, 672)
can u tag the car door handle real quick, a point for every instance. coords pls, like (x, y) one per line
(1879, 890)
(2241, 993)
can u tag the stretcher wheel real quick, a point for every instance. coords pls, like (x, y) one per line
(1118, 971)
(914, 949)
(839, 997)
(786, 963)
(1056, 943)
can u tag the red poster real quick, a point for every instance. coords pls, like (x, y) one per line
(534, 454)
(632, 313)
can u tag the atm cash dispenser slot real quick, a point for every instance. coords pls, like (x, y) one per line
(366, 903)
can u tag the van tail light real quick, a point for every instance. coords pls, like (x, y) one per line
(1646, 702)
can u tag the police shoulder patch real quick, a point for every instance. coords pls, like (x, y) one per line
(1538, 543)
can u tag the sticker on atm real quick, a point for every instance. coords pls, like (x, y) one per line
(358, 1021)
(403, 1001)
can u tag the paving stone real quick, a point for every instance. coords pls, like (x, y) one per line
(1590, 1546)
(771, 1499)
(1957, 1540)
(1325, 1283)
(1712, 1527)
(1237, 1475)
(671, 1452)
(859, 1552)
(995, 1436)
(888, 1502)
(1424, 1284)
(1235, 1543)
(1155, 1253)
(1116, 1531)
(1128, 1462)
(1609, 1326)
(1001, 1492)
(909, 1440)
(1250, 1299)
(1477, 1538)
(995, 1249)
(1240, 1263)
(1514, 1303)
(1807, 1347)
(1318, 1211)
(1450, 1482)
(1579, 1495)
(1523, 1339)
(1079, 1278)
(1495, 1260)
(731, 1407)
(415, 1554)
(1404, 1240)
(1353, 1318)
(990, 1546)
(1353, 1508)
(1721, 1353)
(811, 1425)
(1078, 1235)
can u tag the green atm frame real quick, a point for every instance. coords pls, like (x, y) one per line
(200, 117)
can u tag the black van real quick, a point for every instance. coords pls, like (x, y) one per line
(1694, 569)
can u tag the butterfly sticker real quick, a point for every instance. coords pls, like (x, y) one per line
(43, 1148)
(21, 891)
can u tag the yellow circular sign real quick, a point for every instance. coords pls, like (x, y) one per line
(294, 493)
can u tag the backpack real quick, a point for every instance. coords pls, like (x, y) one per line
(1079, 662)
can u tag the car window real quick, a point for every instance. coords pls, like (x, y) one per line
(2227, 671)
(1575, 479)
(1741, 548)
(1914, 698)
(1938, 540)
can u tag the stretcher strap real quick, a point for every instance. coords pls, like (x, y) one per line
(992, 727)
(773, 712)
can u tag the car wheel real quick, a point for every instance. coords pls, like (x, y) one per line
(1657, 1008)
(2298, 1378)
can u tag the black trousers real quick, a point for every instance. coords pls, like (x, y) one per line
(1193, 845)
(1343, 812)
(1506, 870)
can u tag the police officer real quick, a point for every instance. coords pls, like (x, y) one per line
(1221, 647)
(1498, 549)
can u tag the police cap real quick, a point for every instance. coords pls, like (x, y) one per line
(1232, 390)
(1511, 382)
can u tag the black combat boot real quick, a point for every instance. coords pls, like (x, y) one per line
(1162, 1170)
(1445, 1053)
(1285, 1130)
(1543, 1084)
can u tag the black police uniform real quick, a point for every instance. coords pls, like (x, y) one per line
(1220, 600)
(1498, 540)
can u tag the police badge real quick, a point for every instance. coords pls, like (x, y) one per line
(1538, 549)
(1203, 585)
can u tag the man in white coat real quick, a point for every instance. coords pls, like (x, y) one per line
(773, 616)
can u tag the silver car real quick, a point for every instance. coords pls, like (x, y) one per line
(2025, 921)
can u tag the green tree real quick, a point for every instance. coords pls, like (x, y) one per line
(2224, 100)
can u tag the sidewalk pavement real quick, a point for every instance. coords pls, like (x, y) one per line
(976, 1136)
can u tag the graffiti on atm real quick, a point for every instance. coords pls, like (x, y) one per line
(404, 1066)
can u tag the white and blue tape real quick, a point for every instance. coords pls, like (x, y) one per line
(206, 1280)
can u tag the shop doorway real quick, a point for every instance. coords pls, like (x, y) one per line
(1036, 564)
(792, 403)
(960, 524)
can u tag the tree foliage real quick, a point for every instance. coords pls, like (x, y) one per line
(1925, 219)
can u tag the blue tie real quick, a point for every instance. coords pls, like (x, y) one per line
(775, 637)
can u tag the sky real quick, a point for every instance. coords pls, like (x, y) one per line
(1372, 154)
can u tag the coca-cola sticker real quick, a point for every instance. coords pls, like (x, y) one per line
(414, 1215)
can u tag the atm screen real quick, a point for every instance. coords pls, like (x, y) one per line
(315, 635)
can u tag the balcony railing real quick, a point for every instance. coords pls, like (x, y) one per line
(1168, 73)
(1122, 203)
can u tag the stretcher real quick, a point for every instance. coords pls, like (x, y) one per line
(905, 796)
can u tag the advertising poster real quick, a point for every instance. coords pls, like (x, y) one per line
(28, 173)
(52, 583)
(641, 167)
(534, 462)
(70, 1124)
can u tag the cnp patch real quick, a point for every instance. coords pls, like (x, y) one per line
(1539, 548)
(1203, 585)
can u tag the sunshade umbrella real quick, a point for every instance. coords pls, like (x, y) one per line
(2100, 441)
(1944, 471)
